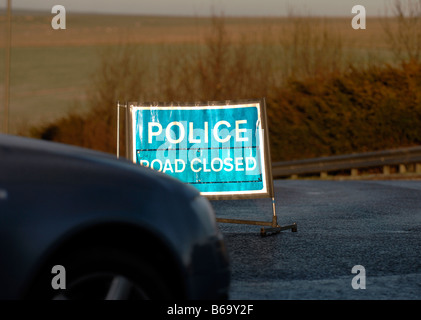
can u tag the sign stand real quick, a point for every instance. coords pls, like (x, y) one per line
(271, 227)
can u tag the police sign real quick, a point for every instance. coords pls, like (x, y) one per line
(221, 149)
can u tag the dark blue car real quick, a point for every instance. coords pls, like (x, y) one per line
(80, 224)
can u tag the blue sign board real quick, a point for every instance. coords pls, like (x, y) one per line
(219, 149)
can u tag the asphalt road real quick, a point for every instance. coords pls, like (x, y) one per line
(341, 224)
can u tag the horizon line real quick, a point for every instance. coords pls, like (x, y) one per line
(169, 15)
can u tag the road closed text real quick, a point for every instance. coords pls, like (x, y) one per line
(198, 164)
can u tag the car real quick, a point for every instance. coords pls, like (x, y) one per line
(82, 224)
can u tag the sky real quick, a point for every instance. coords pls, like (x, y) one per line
(207, 7)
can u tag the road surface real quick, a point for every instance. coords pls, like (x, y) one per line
(375, 225)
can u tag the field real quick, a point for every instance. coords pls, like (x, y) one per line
(51, 70)
(330, 89)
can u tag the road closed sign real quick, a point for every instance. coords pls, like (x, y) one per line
(221, 149)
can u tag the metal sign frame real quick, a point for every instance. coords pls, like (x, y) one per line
(267, 164)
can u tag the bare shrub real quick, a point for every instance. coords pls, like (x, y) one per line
(315, 106)
(121, 73)
(405, 37)
(218, 70)
(311, 48)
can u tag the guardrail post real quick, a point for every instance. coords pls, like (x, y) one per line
(386, 170)
(418, 168)
(402, 168)
(323, 174)
(354, 172)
